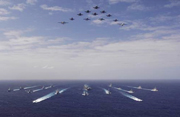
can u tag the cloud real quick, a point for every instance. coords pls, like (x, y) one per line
(173, 3)
(47, 67)
(137, 6)
(19, 7)
(98, 59)
(127, 1)
(16, 33)
(31, 2)
(7, 18)
(97, 21)
(3, 11)
(4, 3)
(12, 34)
(55, 8)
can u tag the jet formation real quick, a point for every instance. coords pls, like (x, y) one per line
(94, 14)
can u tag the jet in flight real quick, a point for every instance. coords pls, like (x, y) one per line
(101, 19)
(63, 22)
(94, 14)
(109, 15)
(103, 11)
(86, 19)
(80, 14)
(96, 7)
(88, 11)
(115, 20)
(72, 18)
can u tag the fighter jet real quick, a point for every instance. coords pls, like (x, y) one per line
(109, 15)
(103, 11)
(115, 20)
(101, 19)
(86, 19)
(94, 14)
(63, 22)
(80, 14)
(96, 7)
(122, 24)
(88, 11)
(72, 18)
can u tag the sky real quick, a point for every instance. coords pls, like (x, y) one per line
(34, 46)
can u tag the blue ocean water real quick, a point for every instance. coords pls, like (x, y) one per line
(71, 103)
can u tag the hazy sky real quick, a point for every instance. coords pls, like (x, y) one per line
(33, 45)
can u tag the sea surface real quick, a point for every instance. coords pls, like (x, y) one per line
(163, 103)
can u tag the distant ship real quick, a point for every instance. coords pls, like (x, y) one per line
(21, 88)
(155, 89)
(110, 85)
(118, 88)
(86, 87)
(85, 93)
(131, 91)
(9, 90)
(108, 92)
(137, 99)
(139, 87)
(57, 92)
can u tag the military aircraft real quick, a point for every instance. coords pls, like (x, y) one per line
(88, 11)
(109, 15)
(122, 24)
(103, 11)
(86, 19)
(101, 19)
(115, 20)
(63, 22)
(94, 14)
(80, 14)
(96, 7)
(72, 18)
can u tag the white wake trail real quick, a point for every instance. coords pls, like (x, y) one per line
(131, 97)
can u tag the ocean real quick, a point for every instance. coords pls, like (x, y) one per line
(71, 103)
